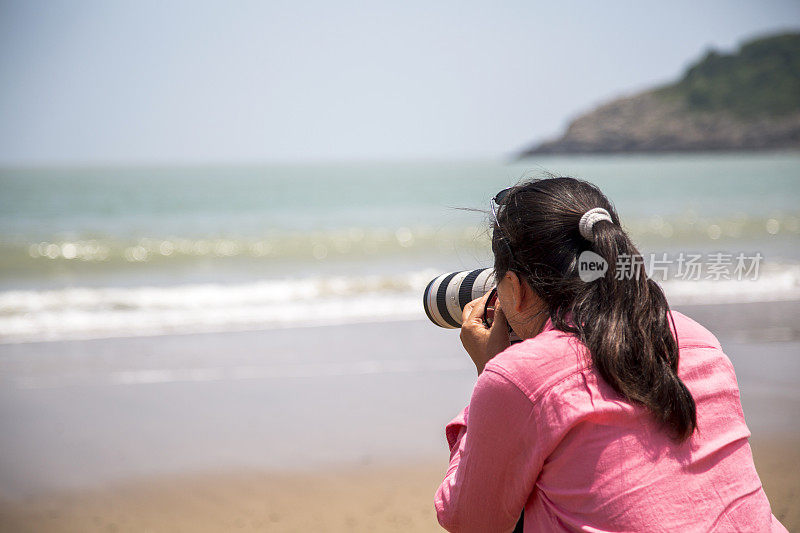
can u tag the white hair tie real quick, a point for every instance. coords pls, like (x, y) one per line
(589, 219)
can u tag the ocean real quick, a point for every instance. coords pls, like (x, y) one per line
(89, 253)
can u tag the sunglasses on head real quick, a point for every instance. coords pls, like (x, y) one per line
(497, 200)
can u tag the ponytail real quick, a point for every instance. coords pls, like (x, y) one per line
(623, 317)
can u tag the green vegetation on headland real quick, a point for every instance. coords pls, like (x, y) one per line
(748, 100)
(762, 78)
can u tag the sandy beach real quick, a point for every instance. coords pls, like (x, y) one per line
(373, 498)
(303, 429)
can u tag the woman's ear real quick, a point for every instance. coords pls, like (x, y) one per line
(521, 294)
(517, 291)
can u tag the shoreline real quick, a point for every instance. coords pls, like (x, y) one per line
(706, 312)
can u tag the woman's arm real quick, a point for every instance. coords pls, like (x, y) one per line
(494, 460)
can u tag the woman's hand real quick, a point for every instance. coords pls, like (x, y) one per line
(483, 343)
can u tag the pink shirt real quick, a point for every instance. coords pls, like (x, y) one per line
(545, 432)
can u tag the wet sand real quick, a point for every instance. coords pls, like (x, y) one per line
(332, 428)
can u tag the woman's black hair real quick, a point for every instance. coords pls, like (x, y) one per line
(623, 317)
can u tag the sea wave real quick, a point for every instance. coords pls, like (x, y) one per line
(99, 312)
(90, 312)
(320, 245)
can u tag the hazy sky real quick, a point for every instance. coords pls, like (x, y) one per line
(237, 81)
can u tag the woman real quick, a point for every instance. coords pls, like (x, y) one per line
(614, 413)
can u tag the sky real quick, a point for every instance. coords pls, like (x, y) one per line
(173, 82)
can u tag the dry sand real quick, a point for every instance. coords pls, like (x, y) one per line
(361, 499)
(368, 498)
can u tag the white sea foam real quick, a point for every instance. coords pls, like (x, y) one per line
(81, 313)
(85, 313)
(776, 283)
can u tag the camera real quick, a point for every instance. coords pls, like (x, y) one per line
(446, 295)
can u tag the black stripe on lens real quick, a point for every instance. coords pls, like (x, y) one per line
(441, 301)
(465, 291)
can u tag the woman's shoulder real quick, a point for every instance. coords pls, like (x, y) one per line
(702, 362)
(691, 333)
